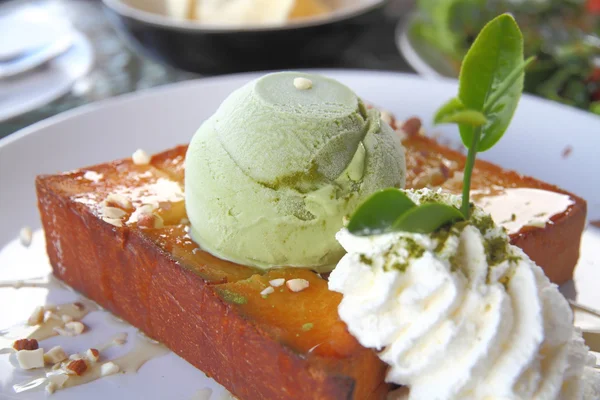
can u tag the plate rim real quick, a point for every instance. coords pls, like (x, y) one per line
(164, 89)
(79, 39)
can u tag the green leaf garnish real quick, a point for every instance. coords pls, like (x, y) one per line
(427, 218)
(391, 210)
(379, 212)
(491, 82)
(490, 86)
(454, 111)
(492, 70)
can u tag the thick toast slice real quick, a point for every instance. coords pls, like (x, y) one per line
(286, 345)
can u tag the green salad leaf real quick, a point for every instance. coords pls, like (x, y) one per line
(490, 86)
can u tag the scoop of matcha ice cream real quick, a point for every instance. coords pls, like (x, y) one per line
(270, 176)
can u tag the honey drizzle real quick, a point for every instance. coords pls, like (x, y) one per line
(144, 350)
(45, 330)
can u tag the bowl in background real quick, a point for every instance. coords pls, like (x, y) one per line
(201, 47)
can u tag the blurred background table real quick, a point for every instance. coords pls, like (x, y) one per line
(118, 69)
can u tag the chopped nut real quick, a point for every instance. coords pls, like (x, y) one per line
(75, 326)
(57, 379)
(277, 282)
(302, 83)
(79, 306)
(29, 359)
(76, 367)
(26, 344)
(116, 222)
(66, 318)
(92, 176)
(297, 285)
(386, 117)
(109, 368)
(71, 329)
(113, 212)
(267, 291)
(55, 355)
(118, 200)
(140, 157)
(48, 315)
(51, 388)
(76, 356)
(92, 355)
(150, 221)
(36, 317)
(25, 236)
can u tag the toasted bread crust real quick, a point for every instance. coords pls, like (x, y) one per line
(129, 275)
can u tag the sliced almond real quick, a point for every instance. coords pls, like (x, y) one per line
(277, 282)
(297, 285)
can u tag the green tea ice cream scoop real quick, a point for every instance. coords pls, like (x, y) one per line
(270, 176)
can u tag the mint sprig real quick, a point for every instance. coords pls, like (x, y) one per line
(490, 86)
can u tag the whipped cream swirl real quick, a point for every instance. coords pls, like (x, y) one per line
(462, 314)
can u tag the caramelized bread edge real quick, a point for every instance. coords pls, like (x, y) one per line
(126, 273)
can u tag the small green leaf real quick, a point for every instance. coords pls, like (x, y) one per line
(378, 213)
(507, 84)
(469, 117)
(427, 218)
(489, 68)
(452, 106)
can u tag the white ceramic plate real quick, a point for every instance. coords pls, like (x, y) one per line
(158, 119)
(32, 89)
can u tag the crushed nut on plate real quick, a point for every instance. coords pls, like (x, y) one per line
(71, 329)
(51, 388)
(25, 344)
(30, 359)
(92, 355)
(26, 236)
(297, 285)
(55, 355)
(76, 367)
(66, 318)
(109, 368)
(36, 317)
(57, 378)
